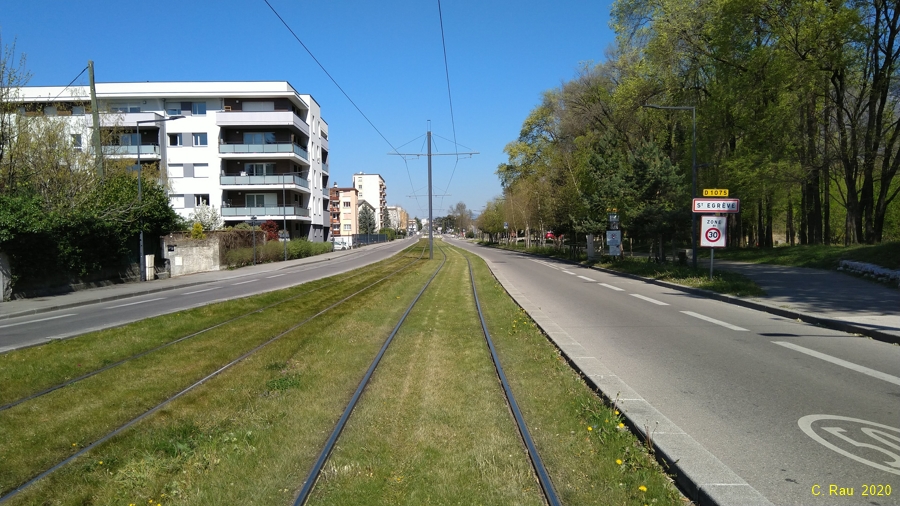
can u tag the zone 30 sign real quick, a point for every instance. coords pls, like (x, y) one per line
(712, 232)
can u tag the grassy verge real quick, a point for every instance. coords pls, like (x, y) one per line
(433, 428)
(819, 257)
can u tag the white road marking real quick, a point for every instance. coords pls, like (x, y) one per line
(201, 291)
(35, 321)
(611, 287)
(587, 278)
(567, 272)
(136, 303)
(546, 264)
(275, 276)
(713, 320)
(648, 299)
(843, 363)
(244, 282)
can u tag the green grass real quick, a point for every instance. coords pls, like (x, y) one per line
(433, 427)
(818, 257)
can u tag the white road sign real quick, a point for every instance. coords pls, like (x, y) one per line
(717, 205)
(712, 231)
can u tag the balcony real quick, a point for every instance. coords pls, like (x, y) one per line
(325, 168)
(262, 149)
(227, 119)
(125, 119)
(265, 213)
(131, 151)
(274, 180)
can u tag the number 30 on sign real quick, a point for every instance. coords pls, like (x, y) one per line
(712, 232)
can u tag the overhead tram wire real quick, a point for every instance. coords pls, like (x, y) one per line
(341, 89)
(450, 98)
(70, 84)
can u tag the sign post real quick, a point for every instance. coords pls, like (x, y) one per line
(712, 236)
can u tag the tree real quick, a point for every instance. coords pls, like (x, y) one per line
(366, 220)
(207, 216)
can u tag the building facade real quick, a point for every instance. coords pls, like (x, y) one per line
(344, 208)
(397, 217)
(249, 149)
(372, 189)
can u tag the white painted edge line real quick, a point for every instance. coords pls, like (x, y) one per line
(244, 282)
(588, 279)
(36, 321)
(568, 272)
(713, 320)
(275, 276)
(135, 303)
(611, 287)
(843, 363)
(648, 299)
(201, 291)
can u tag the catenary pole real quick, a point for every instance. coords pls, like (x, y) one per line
(430, 217)
(95, 115)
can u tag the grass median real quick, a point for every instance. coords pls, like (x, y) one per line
(432, 428)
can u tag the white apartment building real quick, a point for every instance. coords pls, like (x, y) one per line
(250, 149)
(397, 217)
(372, 189)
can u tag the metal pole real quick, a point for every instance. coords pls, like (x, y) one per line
(694, 191)
(284, 216)
(253, 231)
(141, 260)
(430, 217)
(712, 255)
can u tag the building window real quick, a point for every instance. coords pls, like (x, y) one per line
(256, 200)
(259, 137)
(173, 109)
(76, 141)
(201, 200)
(177, 201)
(348, 226)
(201, 170)
(77, 110)
(346, 204)
(176, 170)
(200, 139)
(259, 169)
(258, 106)
(175, 140)
(129, 139)
(198, 108)
(124, 107)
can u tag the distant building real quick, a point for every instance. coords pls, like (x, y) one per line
(344, 209)
(397, 217)
(252, 148)
(372, 189)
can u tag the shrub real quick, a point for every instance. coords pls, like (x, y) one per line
(197, 231)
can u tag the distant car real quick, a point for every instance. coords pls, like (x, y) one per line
(549, 235)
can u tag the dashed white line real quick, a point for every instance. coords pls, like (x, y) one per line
(567, 272)
(275, 276)
(244, 282)
(201, 291)
(648, 299)
(136, 303)
(611, 287)
(35, 321)
(587, 279)
(843, 363)
(713, 320)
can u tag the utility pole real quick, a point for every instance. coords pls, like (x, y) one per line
(430, 213)
(95, 115)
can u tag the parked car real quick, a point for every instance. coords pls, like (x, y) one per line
(549, 235)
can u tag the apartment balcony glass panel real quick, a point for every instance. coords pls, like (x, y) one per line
(278, 180)
(264, 212)
(146, 150)
(284, 147)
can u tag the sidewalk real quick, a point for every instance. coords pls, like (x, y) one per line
(838, 300)
(24, 307)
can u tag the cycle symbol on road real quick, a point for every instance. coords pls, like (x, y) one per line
(869, 443)
(712, 235)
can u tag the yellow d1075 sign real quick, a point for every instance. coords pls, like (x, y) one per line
(715, 192)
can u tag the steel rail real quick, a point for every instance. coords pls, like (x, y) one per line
(342, 422)
(537, 463)
(164, 403)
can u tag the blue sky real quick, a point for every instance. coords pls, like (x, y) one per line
(387, 56)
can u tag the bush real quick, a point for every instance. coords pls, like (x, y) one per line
(273, 251)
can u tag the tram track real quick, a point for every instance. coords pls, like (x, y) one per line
(24, 404)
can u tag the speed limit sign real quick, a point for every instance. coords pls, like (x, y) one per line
(712, 232)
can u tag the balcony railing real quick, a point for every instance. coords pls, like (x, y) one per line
(261, 119)
(131, 150)
(279, 180)
(290, 211)
(284, 147)
(324, 167)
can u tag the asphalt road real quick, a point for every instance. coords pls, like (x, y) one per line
(791, 409)
(226, 285)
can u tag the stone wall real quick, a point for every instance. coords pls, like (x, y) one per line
(188, 256)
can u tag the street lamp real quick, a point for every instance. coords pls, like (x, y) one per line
(693, 170)
(137, 129)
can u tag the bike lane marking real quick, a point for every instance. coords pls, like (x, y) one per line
(843, 363)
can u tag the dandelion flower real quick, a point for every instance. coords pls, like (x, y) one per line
(617, 411)
(619, 461)
(101, 462)
(590, 428)
(621, 425)
(642, 488)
